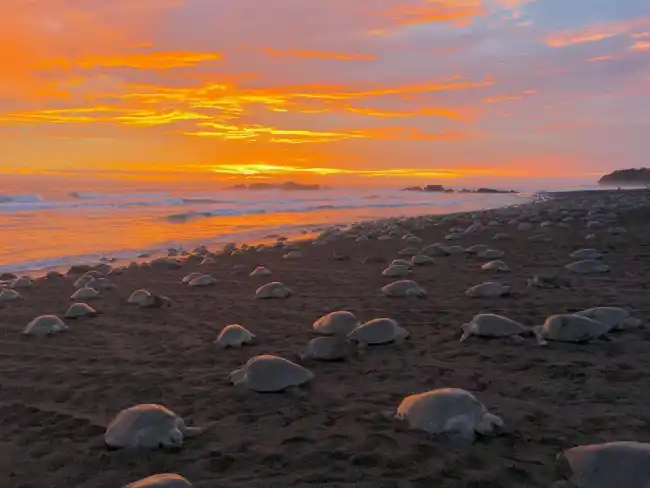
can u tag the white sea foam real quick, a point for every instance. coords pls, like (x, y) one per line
(29, 198)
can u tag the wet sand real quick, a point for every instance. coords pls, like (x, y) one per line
(58, 393)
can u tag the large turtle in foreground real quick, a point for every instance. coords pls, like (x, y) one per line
(163, 480)
(570, 328)
(493, 325)
(378, 331)
(148, 425)
(267, 373)
(620, 464)
(448, 410)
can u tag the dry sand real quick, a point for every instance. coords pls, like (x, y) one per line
(58, 393)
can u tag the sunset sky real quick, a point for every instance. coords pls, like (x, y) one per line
(418, 89)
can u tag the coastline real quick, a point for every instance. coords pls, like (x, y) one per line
(257, 229)
(59, 393)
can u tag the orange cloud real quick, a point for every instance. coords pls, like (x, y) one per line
(144, 105)
(258, 169)
(126, 116)
(154, 60)
(607, 57)
(459, 12)
(594, 33)
(508, 98)
(322, 55)
(451, 113)
(296, 136)
(640, 46)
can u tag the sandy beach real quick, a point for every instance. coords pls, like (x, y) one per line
(58, 393)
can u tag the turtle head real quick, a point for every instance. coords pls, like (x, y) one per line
(174, 439)
(466, 332)
(563, 468)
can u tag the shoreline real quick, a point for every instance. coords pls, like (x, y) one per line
(59, 393)
(302, 232)
(307, 232)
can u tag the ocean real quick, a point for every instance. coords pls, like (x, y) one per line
(52, 223)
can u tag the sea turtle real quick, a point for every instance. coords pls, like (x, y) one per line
(489, 289)
(475, 228)
(267, 373)
(333, 348)
(85, 294)
(203, 280)
(491, 254)
(340, 322)
(234, 335)
(378, 331)
(78, 269)
(617, 230)
(476, 249)
(154, 301)
(422, 260)
(451, 411)
(617, 318)
(275, 289)
(453, 250)
(590, 254)
(138, 297)
(163, 480)
(53, 275)
(190, 277)
(570, 328)
(45, 325)
(492, 325)
(99, 284)
(149, 426)
(496, 266)
(548, 281)
(24, 282)
(540, 238)
(454, 236)
(9, 296)
(77, 310)
(411, 239)
(609, 465)
(436, 250)
(206, 261)
(260, 271)
(400, 262)
(397, 271)
(293, 255)
(239, 269)
(403, 288)
(587, 266)
(409, 251)
(501, 236)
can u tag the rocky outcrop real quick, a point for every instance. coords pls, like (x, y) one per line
(626, 177)
(425, 188)
(440, 188)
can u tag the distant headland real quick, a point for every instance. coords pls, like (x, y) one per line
(626, 177)
(440, 188)
(286, 186)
